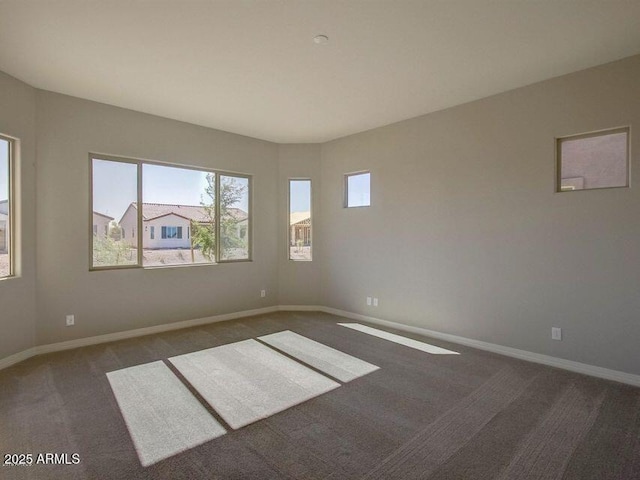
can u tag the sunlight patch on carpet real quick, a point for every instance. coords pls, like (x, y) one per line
(247, 381)
(408, 342)
(333, 362)
(162, 416)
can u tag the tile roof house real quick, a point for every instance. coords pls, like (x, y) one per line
(168, 225)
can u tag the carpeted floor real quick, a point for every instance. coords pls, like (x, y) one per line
(419, 415)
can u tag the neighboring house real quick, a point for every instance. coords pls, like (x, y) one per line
(169, 226)
(300, 228)
(101, 224)
(4, 226)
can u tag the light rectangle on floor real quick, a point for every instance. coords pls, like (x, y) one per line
(408, 342)
(162, 416)
(333, 362)
(247, 381)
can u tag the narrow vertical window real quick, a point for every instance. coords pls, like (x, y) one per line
(234, 218)
(299, 231)
(117, 208)
(6, 208)
(357, 190)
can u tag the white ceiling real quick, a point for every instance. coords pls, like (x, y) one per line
(251, 67)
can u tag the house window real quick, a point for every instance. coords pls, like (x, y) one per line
(171, 232)
(593, 160)
(6, 207)
(357, 189)
(174, 199)
(299, 231)
(95, 229)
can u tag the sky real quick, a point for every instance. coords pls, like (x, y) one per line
(4, 169)
(115, 186)
(359, 190)
(300, 200)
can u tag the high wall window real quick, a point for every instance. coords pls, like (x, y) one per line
(185, 215)
(299, 231)
(357, 189)
(593, 160)
(6, 207)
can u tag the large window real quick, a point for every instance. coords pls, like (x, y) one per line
(300, 219)
(593, 160)
(357, 189)
(6, 207)
(164, 215)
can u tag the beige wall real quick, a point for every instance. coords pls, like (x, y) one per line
(299, 281)
(466, 236)
(17, 295)
(111, 301)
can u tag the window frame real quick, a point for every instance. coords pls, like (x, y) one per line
(345, 200)
(249, 179)
(288, 238)
(596, 133)
(11, 197)
(140, 238)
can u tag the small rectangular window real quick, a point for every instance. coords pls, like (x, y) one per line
(299, 220)
(358, 189)
(153, 232)
(593, 160)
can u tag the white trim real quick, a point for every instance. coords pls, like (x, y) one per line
(138, 332)
(591, 370)
(301, 308)
(583, 368)
(18, 357)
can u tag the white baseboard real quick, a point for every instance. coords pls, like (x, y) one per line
(572, 366)
(138, 332)
(591, 370)
(301, 308)
(18, 357)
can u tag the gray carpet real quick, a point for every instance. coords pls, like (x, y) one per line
(475, 415)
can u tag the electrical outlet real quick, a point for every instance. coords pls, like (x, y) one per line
(263, 293)
(556, 333)
(369, 301)
(375, 301)
(71, 320)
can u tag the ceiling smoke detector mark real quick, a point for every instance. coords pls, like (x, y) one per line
(320, 39)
